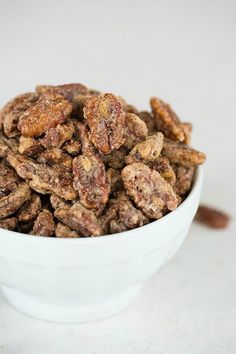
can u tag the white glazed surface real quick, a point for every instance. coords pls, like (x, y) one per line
(79, 280)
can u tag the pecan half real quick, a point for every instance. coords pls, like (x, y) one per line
(135, 130)
(211, 217)
(13, 110)
(30, 209)
(122, 215)
(166, 120)
(29, 146)
(71, 92)
(148, 189)
(146, 151)
(44, 225)
(106, 120)
(163, 166)
(184, 178)
(9, 223)
(149, 120)
(55, 137)
(43, 115)
(80, 219)
(182, 154)
(9, 180)
(44, 179)
(7, 146)
(12, 202)
(64, 231)
(55, 156)
(90, 181)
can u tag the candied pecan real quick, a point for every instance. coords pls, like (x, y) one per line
(58, 202)
(135, 130)
(114, 179)
(163, 166)
(80, 219)
(149, 120)
(29, 146)
(122, 215)
(87, 147)
(43, 115)
(64, 231)
(72, 147)
(166, 120)
(211, 217)
(69, 91)
(146, 151)
(30, 209)
(149, 190)
(9, 223)
(182, 154)
(55, 137)
(116, 158)
(13, 110)
(55, 156)
(90, 180)
(130, 216)
(12, 202)
(7, 145)
(9, 180)
(187, 127)
(106, 120)
(44, 225)
(44, 179)
(184, 178)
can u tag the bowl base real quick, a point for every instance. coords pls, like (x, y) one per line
(69, 310)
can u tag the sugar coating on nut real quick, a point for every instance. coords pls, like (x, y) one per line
(163, 166)
(106, 120)
(146, 151)
(79, 219)
(44, 179)
(56, 137)
(166, 120)
(13, 110)
(64, 231)
(135, 130)
(29, 146)
(90, 180)
(150, 192)
(44, 225)
(43, 115)
(12, 202)
(182, 154)
(30, 209)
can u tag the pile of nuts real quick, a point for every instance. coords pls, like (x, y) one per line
(76, 162)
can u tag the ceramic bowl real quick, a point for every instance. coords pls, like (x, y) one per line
(86, 279)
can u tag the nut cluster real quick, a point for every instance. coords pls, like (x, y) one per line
(76, 162)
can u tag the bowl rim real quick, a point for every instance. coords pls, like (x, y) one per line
(116, 236)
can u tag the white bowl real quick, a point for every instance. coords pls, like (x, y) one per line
(86, 279)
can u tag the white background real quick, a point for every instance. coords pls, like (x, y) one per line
(185, 53)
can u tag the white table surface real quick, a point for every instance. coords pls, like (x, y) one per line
(184, 52)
